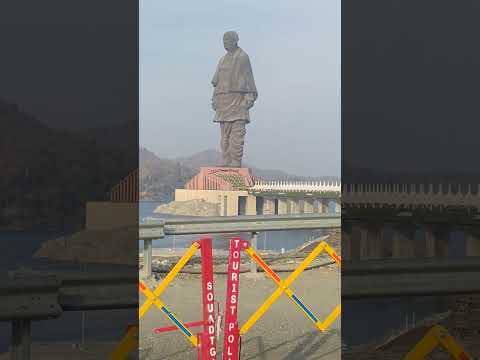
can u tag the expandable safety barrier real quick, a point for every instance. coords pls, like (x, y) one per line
(232, 331)
(128, 344)
(204, 341)
(436, 336)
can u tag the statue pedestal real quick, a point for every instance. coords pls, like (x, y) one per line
(221, 178)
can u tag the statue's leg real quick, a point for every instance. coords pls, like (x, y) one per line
(225, 130)
(237, 139)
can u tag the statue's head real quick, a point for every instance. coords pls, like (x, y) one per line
(230, 40)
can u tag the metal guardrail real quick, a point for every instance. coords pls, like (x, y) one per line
(35, 295)
(28, 295)
(410, 277)
(231, 224)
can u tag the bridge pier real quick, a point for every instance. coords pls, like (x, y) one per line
(359, 242)
(403, 241)
(294, 206)
(338, 206)
(346, 243)
(375, 241)
(289, 206)
(436, 241)
(308, 206)
(358, 248)
(429, 241)
(325, 206)
(472, 242)
(251, 205)
(363, 237)
(268, 206)
(442, 235)
(365, 242)
(282, 206)
(301, 206)
(318, 206)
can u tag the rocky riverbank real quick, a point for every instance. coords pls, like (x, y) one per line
(197, 207)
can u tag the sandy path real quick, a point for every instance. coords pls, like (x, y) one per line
(282, 333)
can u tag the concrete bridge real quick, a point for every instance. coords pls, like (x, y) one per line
(408, 221)
(237, 192)
(296, 197)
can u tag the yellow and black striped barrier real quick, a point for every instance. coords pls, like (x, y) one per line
(437, 336)
(283, 287)
(128, 344)
(153, 297)
(130, 341)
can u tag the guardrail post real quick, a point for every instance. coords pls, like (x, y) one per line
(20, 340)
(147, 257)
(253, 245)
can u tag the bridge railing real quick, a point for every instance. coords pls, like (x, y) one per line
(411, 195)
(152, 230)
(321, 186)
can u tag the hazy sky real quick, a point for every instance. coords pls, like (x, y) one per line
(294, 48)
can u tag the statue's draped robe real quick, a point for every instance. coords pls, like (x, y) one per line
(234, 89)
(234, 86)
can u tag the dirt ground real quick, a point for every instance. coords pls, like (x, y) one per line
(282, 333)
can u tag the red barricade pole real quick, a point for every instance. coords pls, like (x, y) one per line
(231, 332)
(207, 339)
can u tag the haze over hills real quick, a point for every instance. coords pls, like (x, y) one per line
(212, 157)
(159, 177)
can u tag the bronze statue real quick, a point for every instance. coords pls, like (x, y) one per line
(233, 96)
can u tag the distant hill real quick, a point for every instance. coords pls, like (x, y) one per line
(124, 136)
(160, 177)
(48, 175)
(203, 158)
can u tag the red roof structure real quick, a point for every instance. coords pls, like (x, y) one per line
(221, 178)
